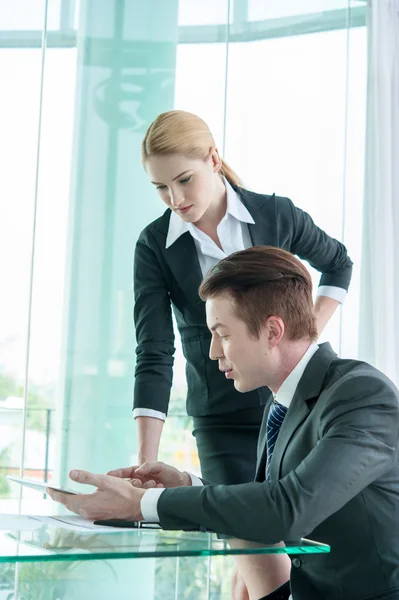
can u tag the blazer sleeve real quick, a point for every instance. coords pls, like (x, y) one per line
(154, 331)
(298, 234)
(358, 445)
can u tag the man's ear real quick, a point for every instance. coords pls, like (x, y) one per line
(276, 328)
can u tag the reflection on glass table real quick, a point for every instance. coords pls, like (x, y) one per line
(51, 543)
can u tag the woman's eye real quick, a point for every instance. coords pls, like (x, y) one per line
(185, 180)
(161, 187)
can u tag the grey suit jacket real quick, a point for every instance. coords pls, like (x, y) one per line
(334, 478)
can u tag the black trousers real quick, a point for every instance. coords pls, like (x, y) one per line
(227, 445)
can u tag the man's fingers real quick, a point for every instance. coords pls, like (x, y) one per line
(123, 473)
(65, 499)
(149, 484)
(99, 481)
(53, 494)
(152, 468)
(81, 504)
(136, 483)
(61, 497)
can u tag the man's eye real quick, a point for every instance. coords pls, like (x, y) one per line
(185, 180)
(223, 337)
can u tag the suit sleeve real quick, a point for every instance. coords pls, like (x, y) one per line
(154, 332)
(299, 235)
(358, 444)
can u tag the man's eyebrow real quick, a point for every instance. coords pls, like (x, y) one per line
(174, 179)
(216, 326)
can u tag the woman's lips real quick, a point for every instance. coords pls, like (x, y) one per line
(185, 209)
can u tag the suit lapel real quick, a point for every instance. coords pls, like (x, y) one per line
(262, 446)
(309, 387)
(298, 412)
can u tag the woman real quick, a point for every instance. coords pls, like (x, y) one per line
(209, 216)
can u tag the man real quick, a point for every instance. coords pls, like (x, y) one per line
(328, 448)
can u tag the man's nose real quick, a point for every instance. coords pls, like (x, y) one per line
(215, 349)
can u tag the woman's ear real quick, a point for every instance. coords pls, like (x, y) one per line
(215, 159)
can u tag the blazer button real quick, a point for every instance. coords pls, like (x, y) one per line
(296, 562)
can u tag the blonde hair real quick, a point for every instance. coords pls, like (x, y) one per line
(181, 132)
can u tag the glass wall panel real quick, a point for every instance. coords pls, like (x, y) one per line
(257, 9)
(354, 182)
(282, 87)
(20, 73)
(288, 135)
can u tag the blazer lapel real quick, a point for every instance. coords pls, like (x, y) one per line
(309, 387)
(182, 259)
(263, 231)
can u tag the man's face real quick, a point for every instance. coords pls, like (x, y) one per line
(242, 357)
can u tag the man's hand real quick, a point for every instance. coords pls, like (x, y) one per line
(154, 474)
(113, 499)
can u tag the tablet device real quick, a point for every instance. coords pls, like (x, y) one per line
(41, 485)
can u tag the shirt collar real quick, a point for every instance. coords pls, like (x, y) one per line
(176, 228)
(235, 208)
(286, 392)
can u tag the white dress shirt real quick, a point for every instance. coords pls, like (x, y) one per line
(233, 235)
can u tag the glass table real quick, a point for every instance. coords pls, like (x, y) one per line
(55, 563)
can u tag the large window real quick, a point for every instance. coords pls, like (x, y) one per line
(282, 86)
(282, 89)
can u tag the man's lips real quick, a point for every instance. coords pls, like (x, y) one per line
(227, 373)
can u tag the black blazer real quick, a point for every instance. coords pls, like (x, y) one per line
(171, 277)
(334, 478)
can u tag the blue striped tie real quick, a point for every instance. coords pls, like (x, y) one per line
(275, 419)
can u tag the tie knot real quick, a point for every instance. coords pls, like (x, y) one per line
(278, 410)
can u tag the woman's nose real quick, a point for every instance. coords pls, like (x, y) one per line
(176, 199)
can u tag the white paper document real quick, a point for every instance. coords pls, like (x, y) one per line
(18, 523)
(71, 522)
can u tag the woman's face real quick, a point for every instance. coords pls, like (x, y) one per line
(188, 186)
